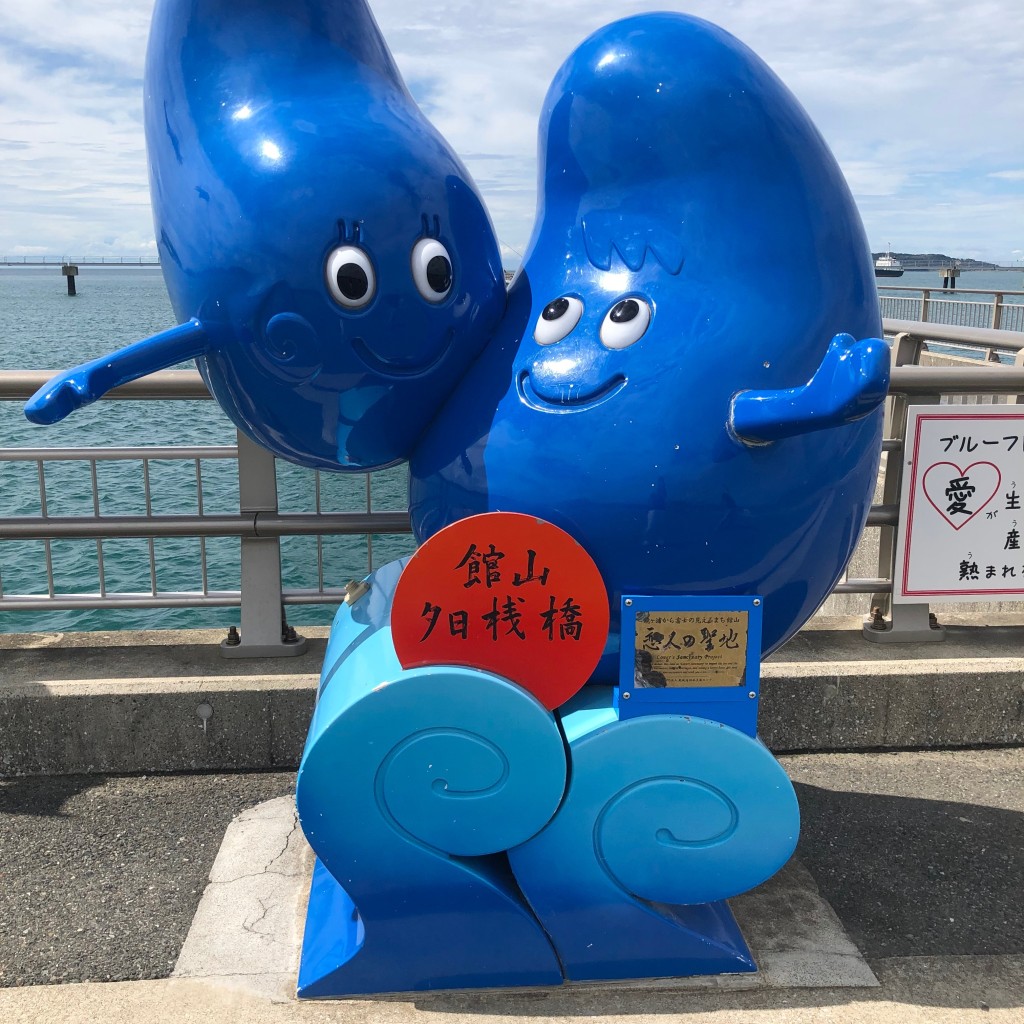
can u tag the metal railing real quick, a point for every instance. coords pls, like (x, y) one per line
(1002, 310)
(259, 524)
(87, 261)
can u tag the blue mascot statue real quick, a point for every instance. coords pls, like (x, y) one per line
(660, 447)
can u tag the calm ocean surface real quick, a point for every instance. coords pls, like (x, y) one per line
(41, 328)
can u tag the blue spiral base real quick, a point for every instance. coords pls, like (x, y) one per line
(466, 837)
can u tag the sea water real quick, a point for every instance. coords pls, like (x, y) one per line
(42, 328)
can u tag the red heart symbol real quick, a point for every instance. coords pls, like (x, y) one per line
(958, 495)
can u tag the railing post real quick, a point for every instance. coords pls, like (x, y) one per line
(263, 633)
(925, 292)
(907, 622)
(997, 306)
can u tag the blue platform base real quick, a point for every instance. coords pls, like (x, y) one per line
(706, 940)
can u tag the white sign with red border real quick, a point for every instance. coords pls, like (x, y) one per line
(962, 509)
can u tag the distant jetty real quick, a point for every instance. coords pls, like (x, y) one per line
(938, 261)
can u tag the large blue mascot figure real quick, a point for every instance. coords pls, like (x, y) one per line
(675, 382)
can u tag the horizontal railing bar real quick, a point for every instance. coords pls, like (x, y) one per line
(90, 527)
(983, 379)
(213, 599)
(283, 524)
(22, 384)
(1010, 340)
(883, 515)
(77, 602)
(258, 524)
(942, 293)
(878, 586)
(329, 595)
(116, 454)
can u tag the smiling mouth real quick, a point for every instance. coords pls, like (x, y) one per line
(397, 368)
(569, 399)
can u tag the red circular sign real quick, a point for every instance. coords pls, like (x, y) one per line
(508, 593)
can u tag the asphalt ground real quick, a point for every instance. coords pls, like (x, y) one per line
(100, 876)
(920, 854)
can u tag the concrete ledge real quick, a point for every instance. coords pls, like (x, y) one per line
(130, 702)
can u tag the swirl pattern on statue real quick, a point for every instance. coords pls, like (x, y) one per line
(664, 817)
(410, 779)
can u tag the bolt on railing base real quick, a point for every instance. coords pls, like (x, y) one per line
(910, 624)
(284, 649)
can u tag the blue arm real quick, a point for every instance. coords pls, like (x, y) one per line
(84, 384)
(851, 382)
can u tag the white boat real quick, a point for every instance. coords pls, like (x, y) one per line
(888, 265)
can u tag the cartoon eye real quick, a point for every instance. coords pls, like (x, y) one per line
(557, 320)
(350, 277)
(431, 269)
(625, 323)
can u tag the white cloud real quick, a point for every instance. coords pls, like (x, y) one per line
(922, 106)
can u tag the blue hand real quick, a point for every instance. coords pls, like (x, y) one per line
(852, 380)
(60, 396)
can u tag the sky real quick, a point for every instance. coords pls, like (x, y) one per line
(922, 104)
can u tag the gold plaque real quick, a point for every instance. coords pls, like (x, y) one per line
(690, 649)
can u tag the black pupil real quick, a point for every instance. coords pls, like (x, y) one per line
(439, 274)
(553, 310)
(352, 281)
(625, 311)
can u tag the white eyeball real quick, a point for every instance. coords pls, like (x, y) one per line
(625, 323)
(431, 269)
(557, 320)
(350, 277)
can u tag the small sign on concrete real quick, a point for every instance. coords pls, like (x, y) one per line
(962, 507)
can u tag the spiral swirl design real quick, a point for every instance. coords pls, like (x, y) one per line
(463, 792)
(665, 817)
(408, 778)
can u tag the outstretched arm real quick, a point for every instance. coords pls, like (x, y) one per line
(850, 383)
(84, 384)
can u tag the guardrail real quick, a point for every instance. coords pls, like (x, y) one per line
(943, 306)
(88, 261)
(260, 525)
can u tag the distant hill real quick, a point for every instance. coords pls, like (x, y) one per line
(936, 261)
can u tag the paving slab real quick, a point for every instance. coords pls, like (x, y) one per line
(247, 929)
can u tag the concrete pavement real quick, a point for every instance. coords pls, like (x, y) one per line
(921, 855)
(943, 990)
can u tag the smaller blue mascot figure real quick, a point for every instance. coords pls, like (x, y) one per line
(330, 260)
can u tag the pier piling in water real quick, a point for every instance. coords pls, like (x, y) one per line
(70, 271)
(949, 276)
